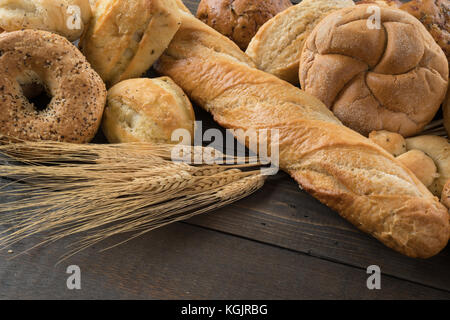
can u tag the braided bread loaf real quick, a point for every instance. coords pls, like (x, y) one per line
(338, 166)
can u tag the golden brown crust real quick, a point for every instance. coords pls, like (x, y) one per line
(277, 46)
(435, 16)
(49, 15)
(438, 149)
(341, 168)
(147, 110)
(126, 37)
(239, 19)
(390, 78)
(421, 165)
(392, 142)
(79, 95)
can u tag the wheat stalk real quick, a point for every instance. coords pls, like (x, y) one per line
(98, 191)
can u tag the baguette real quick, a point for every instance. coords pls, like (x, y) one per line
(341, 168)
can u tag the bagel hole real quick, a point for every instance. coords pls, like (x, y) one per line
(41, 100)
(34, 90)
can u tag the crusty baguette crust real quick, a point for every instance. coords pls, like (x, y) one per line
(338, 166)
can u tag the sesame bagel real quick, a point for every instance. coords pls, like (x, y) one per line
(77, 93)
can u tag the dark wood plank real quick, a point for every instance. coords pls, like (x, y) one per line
(282, 215)
(187, 262)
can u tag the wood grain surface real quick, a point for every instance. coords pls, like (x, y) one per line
(279, 243)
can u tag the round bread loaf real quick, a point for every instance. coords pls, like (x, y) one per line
(438, 149)
(392, 142)
(277, 46)
(125, 37)
(388, 76)
(78, 94)
(147, 110)
(67, 18)
(239, 19)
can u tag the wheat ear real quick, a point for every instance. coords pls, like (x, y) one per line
(97, 191)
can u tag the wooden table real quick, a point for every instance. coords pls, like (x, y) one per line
(279, 243)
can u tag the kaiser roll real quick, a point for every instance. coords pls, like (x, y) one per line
(389, 75)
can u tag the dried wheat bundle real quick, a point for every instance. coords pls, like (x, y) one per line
(97, 191)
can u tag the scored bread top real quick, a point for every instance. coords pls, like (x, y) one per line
(392, 76)
(126, 37)
(277, 46)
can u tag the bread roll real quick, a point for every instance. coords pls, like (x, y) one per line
(392, 142)
(58, 16)
(390, 78)
(338, 166)
(438, 149)
(435, 16)
(147, 110)
(421, 165)
(126, 37)
(239, 19)
(277, 46)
